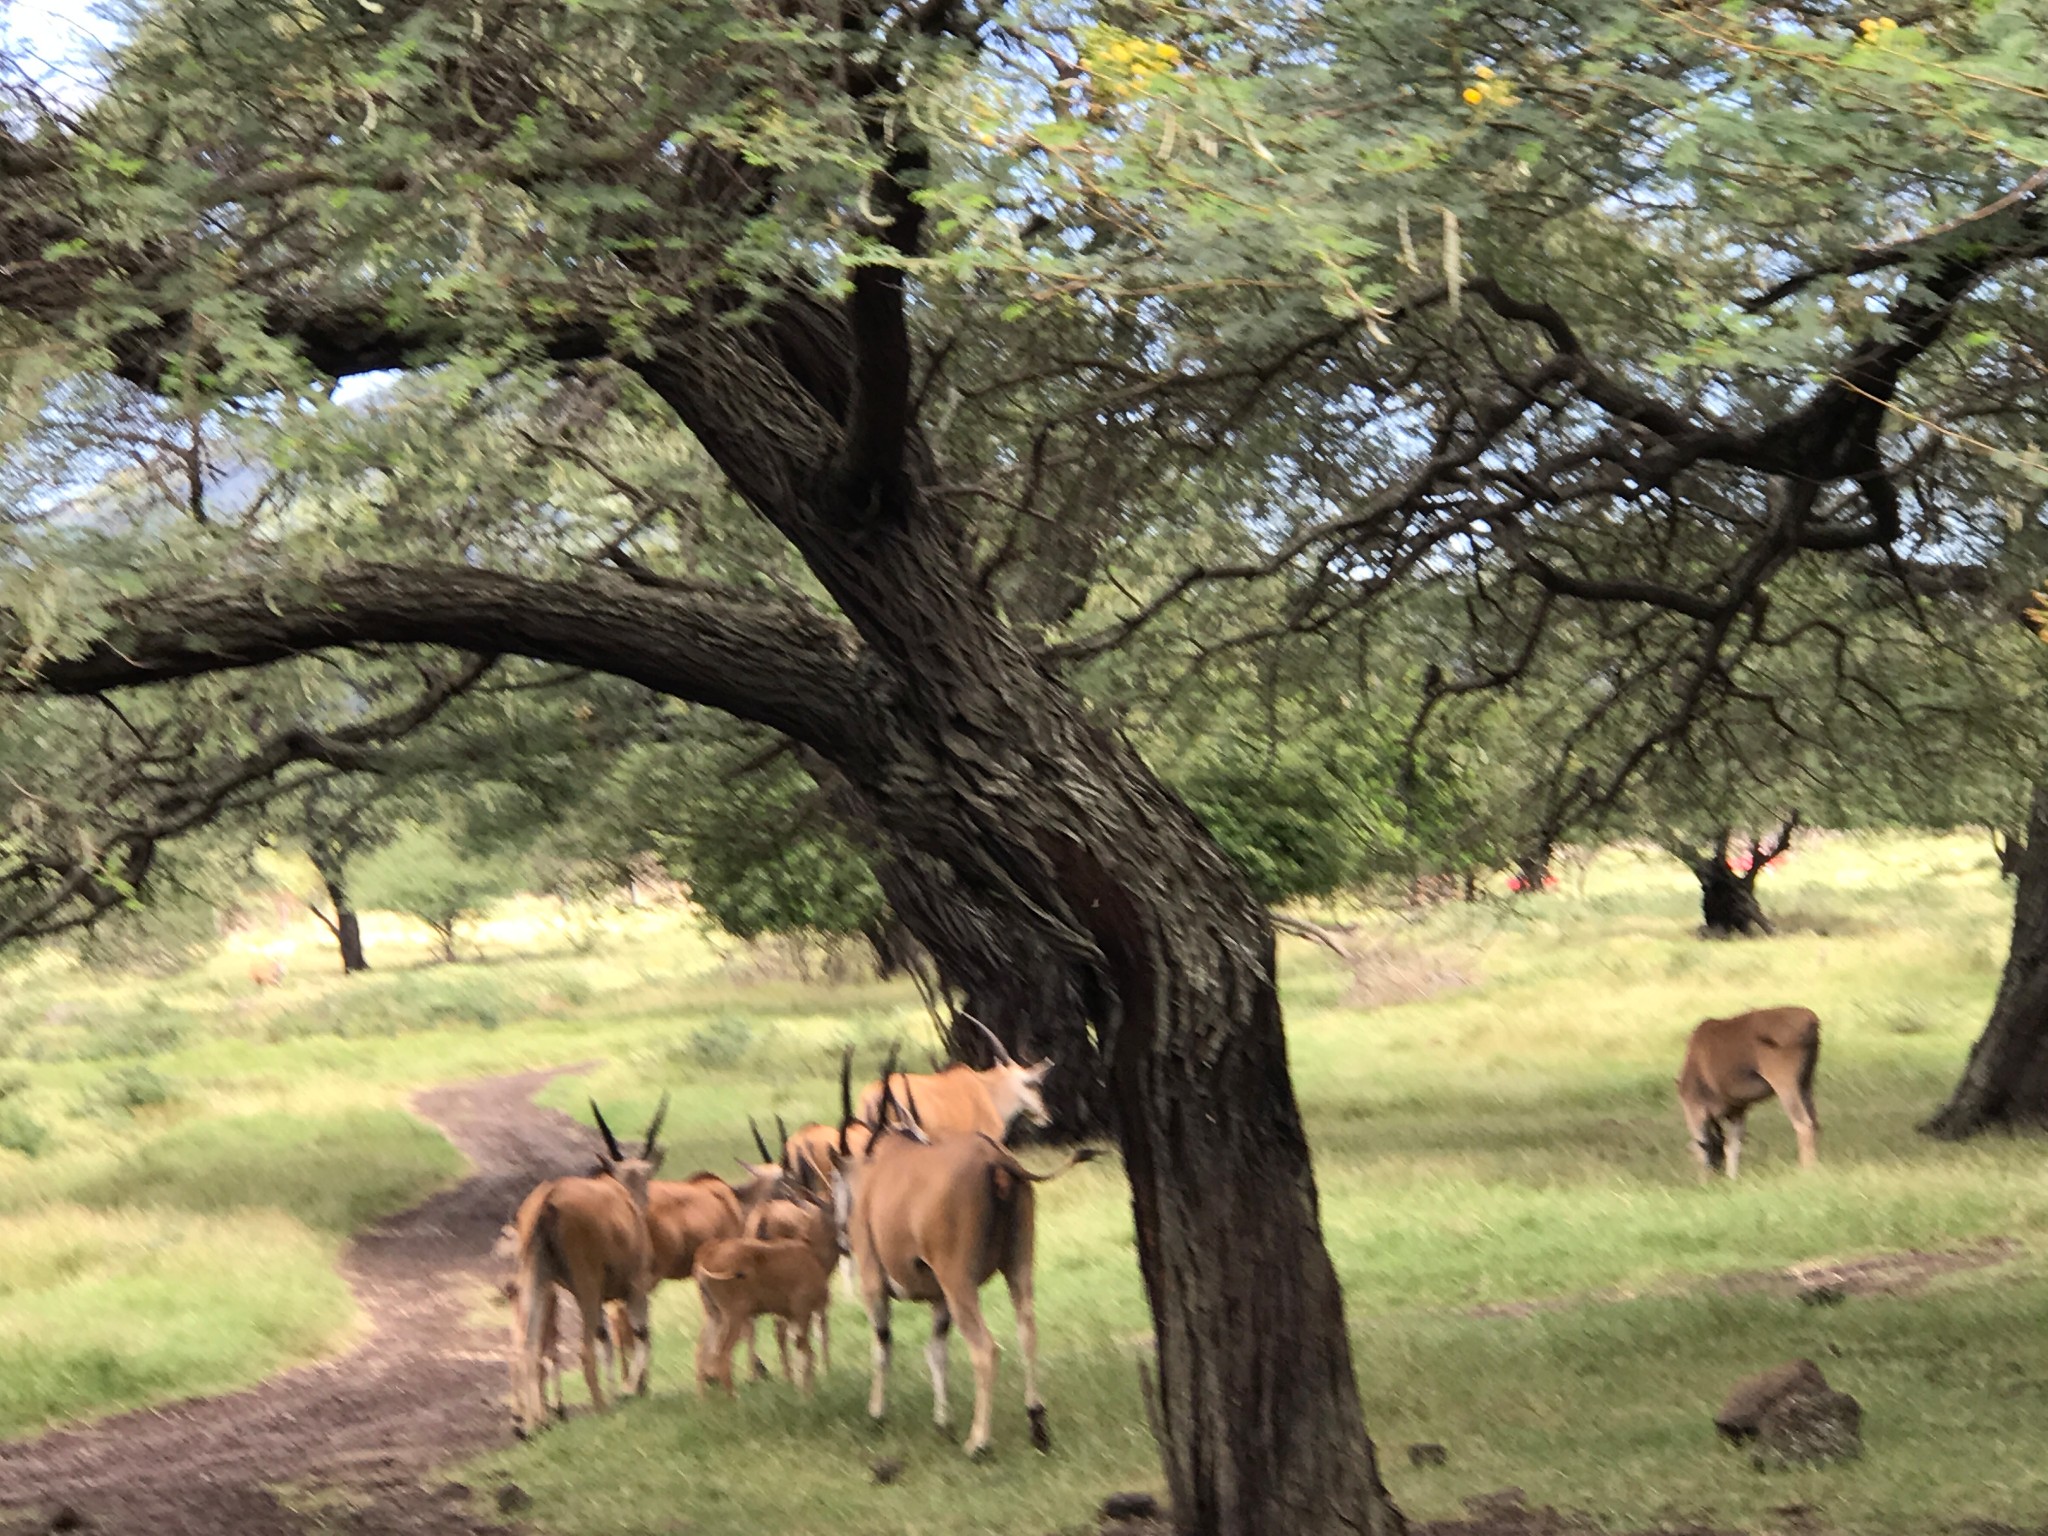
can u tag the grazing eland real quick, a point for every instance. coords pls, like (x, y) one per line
(1736, 1063)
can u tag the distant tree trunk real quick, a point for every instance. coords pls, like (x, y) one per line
(1728, 904)
(2005, 1082)
(348, 929)
(328, 863)
(1728, 901)
(1532, 867)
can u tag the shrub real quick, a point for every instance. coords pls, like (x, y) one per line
(720, 1042)
(127, 1089)
(20, 1131)
(425, 874)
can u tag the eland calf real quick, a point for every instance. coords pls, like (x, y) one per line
(1734, 1064)
(782, 1268)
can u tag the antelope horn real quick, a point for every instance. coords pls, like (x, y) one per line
(1003, 1056)
(782, 1134)
(654, 1126)
(888, 1093)
(845, 1098)
(760, 1145)
(912, 1125)
(611, 1142)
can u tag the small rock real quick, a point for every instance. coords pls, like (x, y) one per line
(1130, 1506)
(1427, 1454)
(1824, 1295)
(65, 1518)
(1807, 1428)
(512, 1499)
(455, 1490)
(1743, 1412)
(1502, 1504)
(887, 1470)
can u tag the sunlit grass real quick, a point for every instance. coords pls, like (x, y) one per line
(1515, 1137)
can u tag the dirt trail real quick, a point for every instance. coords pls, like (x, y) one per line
(425, 1385)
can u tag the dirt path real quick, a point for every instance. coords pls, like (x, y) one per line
(426, 1385)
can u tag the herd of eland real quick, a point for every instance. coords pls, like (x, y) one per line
(917, 1191)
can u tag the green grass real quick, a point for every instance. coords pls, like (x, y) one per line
(1511, 1138)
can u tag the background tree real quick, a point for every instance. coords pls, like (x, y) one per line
(336, 823)
(426, 873)
(957, 380)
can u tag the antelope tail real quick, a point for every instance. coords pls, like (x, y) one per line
(1074, 1160)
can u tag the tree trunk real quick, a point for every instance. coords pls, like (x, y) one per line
(1082, 876)
(1037, 1002)
(2005, 1082)
(974, 754)
(1728, 904)
(348, 928)
(1532, 868)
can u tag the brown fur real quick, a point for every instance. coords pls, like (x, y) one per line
(788, 1278)
(588, 1236)
(267, 973)
(930, 1218)
(812, 1147)
(685, 1214)
(1733, 1064)
(811, 1224)
(964, 1100)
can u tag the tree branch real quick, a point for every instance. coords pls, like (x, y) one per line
(782, 665)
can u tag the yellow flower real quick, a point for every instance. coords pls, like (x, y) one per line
(1474, 95)
(1483, 72)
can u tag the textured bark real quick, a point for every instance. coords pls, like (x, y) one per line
(2005, 1082)
(1039, 1001)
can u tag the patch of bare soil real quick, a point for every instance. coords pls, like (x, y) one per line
(1505, 1514)
(426, 1385)
(1818, 1280)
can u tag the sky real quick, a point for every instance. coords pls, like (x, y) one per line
(52, 39)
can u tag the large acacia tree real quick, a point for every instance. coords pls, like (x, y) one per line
(969, 309)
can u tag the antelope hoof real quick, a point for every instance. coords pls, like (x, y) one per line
(760, 1370)
(1041, 1437)
(978, 1451)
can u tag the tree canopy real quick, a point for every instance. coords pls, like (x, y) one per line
(875, 373)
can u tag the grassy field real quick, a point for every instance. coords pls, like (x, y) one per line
(1489, 1092)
